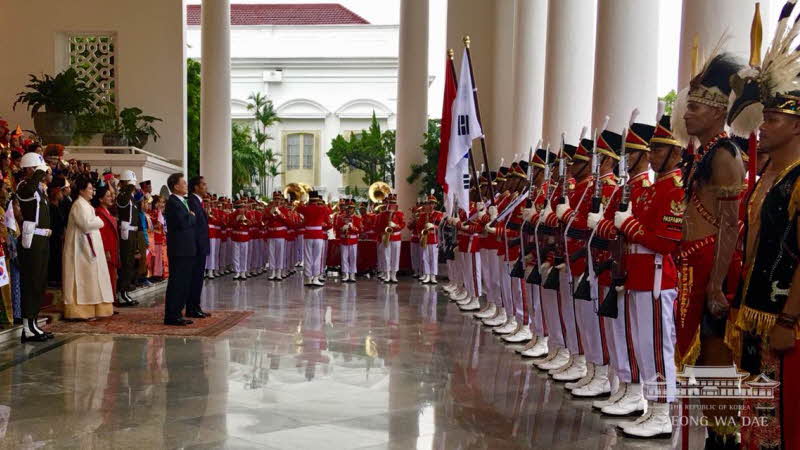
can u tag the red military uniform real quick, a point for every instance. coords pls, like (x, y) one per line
(316, 219)
(349, 237)
(423, 219)
(382, 223)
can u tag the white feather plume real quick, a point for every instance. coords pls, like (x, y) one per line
(678, 110)
(634, 115)
(605, 123)
(583, 133)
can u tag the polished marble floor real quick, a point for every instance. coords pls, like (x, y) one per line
(346, 366)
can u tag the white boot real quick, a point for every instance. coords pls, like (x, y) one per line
(576, 370)
(538, 350)
(317, 282)
(423, 279)
(630, 403)
(560, 357)
(498, 319)
(393, 277)
(472, 305)
(583, 381)
(210, 274)
(308, 281)
(613, 398)
(489, 311)
(508, 327)
(655, 424)
(271, 275)
(459, 294)
(432, 279)
(599, 385)
(522, 335)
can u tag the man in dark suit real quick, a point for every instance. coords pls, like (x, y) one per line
(181, 250)
(198, 189)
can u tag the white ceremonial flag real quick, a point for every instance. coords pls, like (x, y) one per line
(463, 130)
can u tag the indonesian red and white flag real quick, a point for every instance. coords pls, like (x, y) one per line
(447, 119)
(464, 128)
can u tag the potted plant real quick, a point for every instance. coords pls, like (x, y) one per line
(138, 128)
(54, 102)
(113, 132)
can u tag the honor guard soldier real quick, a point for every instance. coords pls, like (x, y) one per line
(35, 247)
(388, 225)
(239, 225)
(316, 217)
(128, 216)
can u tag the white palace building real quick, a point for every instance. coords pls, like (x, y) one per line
(326, 70)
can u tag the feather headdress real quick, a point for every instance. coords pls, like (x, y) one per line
(771, 85)
(710, 86)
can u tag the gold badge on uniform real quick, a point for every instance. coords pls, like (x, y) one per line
(677, 208)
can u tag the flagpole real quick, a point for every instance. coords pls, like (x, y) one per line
(452, 65)
(478, 113)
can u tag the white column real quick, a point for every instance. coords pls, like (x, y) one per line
(497, 104)
(215, 97)
(709, 19)
(570, 69)
(626, 65)
(329, 176)
(412, 96)
(530, 37)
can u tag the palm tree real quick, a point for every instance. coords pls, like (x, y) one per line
(266, 116)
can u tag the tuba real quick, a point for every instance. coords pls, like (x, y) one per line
(296, 192)
(378, 191)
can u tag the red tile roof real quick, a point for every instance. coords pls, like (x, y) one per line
(284, 14)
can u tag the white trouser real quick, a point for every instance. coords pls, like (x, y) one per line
(288, 254)
(551, 306)
(505, 286)
(349, 253)
(212, 260)
(252, 249)
(416, 257)
(490, 276)
(240, 256)
(299, 248)
(391, 254)
(590, 323)
(430, 259)
(535, 310)
(312, 257)
(324, 260)
(276, 256)
(520, 298)
(381, 256)
(471, 269)
(457, 273)
(568, 312)
(654, 334)
(619, 340)
(227, 252)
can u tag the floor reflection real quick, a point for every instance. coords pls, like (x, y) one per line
(347, 366)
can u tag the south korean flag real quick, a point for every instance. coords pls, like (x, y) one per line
(464, 129)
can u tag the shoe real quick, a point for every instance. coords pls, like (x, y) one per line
(128, 300)
(613, 398)
(178, 322)
(464, 300)
(198, 314)
(574, 372)
(31, 333)
(489, 311)
(499, 319)
(393, 277)
(472, 305)
(272, 276)
(522, 335)
(655, 424)
(459, 295)
(307, 281)
(509, 327)
(631, 403)
(317, 282)
(560, 357)
(538, 350)
(599, 384)
(583, 381)
(432, 279)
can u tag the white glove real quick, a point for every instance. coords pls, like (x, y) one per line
(561, 209)
(546, 212)
(481, 212)
(489, 229)
(347, 226)
(544, 268)
(620, 217)
(493, 212)
(429, 226)
(392, 224)
(594, 219)
(527, 214)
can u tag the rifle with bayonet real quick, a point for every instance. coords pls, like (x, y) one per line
(610, 307)
(535, 276)
(552, 281)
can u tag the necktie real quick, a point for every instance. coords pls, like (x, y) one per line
(185, 203)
